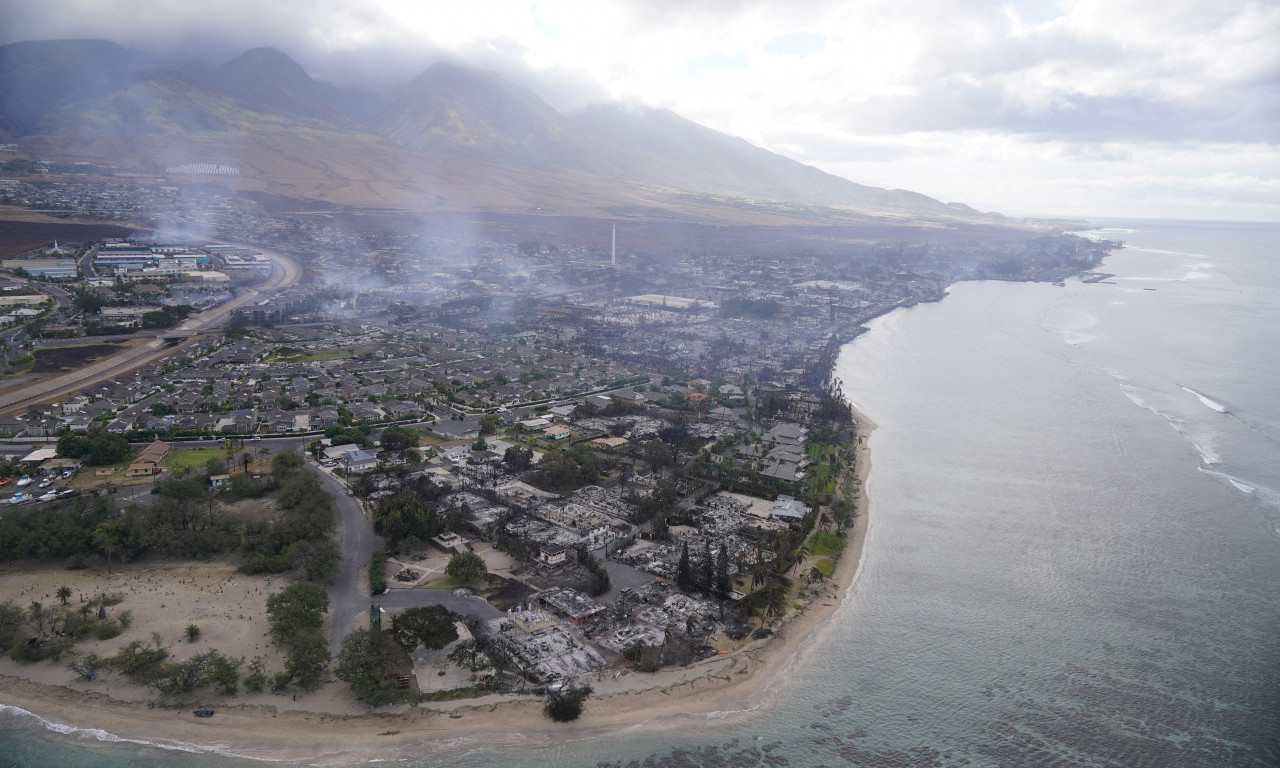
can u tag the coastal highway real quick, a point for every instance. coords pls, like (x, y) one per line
(284, 272)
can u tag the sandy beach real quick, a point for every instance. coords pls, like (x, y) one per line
(329, 724)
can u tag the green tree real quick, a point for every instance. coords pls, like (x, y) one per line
(364, 663)
(466, 566)
(518, 459)
(657, 455)
(193, 633)
(565, 705)
(224, 672)
(294, 609)
(398, 439)
(407, 515)
(107, 449)
(723, 585)
(308, 656)
(257, 678)
(72, 446)
(467, 654)
(107, 536)
(64, 594)
(431, 626)
(87, 666)
(684, 571)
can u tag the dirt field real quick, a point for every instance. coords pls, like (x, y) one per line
(63, 359)
(18, 237)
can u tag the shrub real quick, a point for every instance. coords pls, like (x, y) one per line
(108, 628)
(377, 573)
(565, 705)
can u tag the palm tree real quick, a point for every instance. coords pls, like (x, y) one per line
(107, 538)
(801, 554)
(64, 594)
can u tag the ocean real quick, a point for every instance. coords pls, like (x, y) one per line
(1074, 549)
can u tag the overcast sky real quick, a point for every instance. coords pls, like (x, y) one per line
(1160, 108)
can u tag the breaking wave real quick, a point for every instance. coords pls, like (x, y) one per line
(1209, 403)
(96, 734)
(1202, 443)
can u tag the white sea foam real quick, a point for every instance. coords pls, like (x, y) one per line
(1137, 399)
(98, 734)
(1203, 443)
(1208, 455)
(1208, 402)
(1268, 496)
(1172, 253)
(1073, 338)
(1239, 484)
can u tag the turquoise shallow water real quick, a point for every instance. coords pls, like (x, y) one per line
(1074, 546)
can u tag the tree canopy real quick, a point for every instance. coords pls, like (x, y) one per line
(365, 662)
(431, 626)
(466, 566)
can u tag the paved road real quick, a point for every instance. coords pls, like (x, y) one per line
(415, 598)
(357, 542)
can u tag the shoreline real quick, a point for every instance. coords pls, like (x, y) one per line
(271, 727)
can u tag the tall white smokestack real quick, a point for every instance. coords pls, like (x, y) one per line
(613, 258)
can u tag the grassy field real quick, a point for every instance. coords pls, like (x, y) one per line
(193, 457)
(825, 544)
(304, 356)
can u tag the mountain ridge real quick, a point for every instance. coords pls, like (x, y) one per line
(454, 137)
